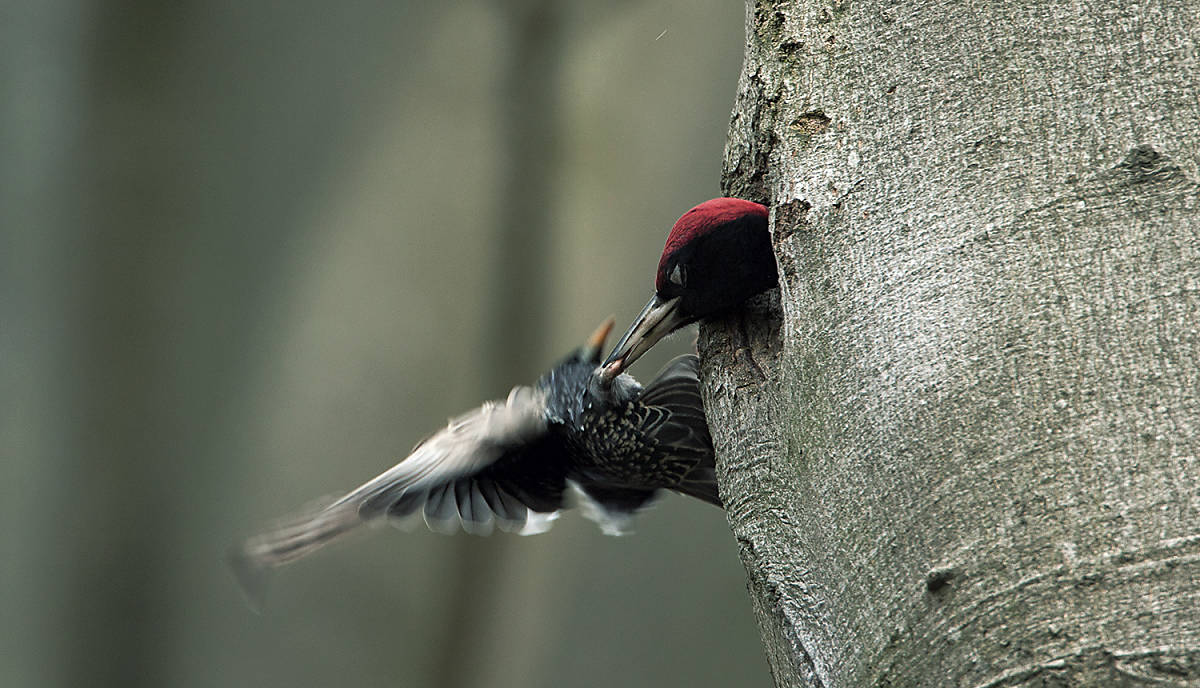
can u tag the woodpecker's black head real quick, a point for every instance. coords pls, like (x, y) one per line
(717, 256)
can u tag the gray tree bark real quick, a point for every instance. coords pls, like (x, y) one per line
(959, 446)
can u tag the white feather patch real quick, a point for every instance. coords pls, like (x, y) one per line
(610, 521)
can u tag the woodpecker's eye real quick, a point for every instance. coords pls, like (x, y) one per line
(677, 276)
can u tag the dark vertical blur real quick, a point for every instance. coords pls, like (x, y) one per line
(123, 351)
(529, 165)
(520, 289)
(250, 253)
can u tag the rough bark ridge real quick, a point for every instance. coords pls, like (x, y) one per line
(962, 448)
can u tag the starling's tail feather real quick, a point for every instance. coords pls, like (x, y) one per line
(702, 485)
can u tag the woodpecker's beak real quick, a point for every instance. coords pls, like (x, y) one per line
(595, 343)
(658, 319)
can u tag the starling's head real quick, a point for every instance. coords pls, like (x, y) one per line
(717, 256)
(567, 383)
(593, 348)
(605, 385)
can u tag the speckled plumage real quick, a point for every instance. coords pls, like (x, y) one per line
(644, 440)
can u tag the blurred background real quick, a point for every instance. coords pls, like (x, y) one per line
(252, 252)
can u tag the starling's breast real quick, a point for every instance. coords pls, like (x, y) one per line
(611, 446)
(610, 440)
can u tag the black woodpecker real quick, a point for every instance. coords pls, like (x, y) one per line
(717, 256)
(509, 463)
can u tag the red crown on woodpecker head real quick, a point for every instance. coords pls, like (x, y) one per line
(701, 220)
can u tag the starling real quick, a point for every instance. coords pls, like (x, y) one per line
(717, 256)
(508, 463)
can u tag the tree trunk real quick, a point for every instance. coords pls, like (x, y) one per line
(959, 446)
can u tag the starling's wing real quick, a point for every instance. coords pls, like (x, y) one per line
(521, 492)
(675, 419)
(498, 463)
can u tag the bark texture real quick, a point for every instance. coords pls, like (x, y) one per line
(959, 446)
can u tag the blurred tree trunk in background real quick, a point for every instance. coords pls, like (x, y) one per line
(967, 450)
(495, 597)
(156, 199)
(41, 46)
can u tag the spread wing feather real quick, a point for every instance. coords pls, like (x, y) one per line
(466, 474)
